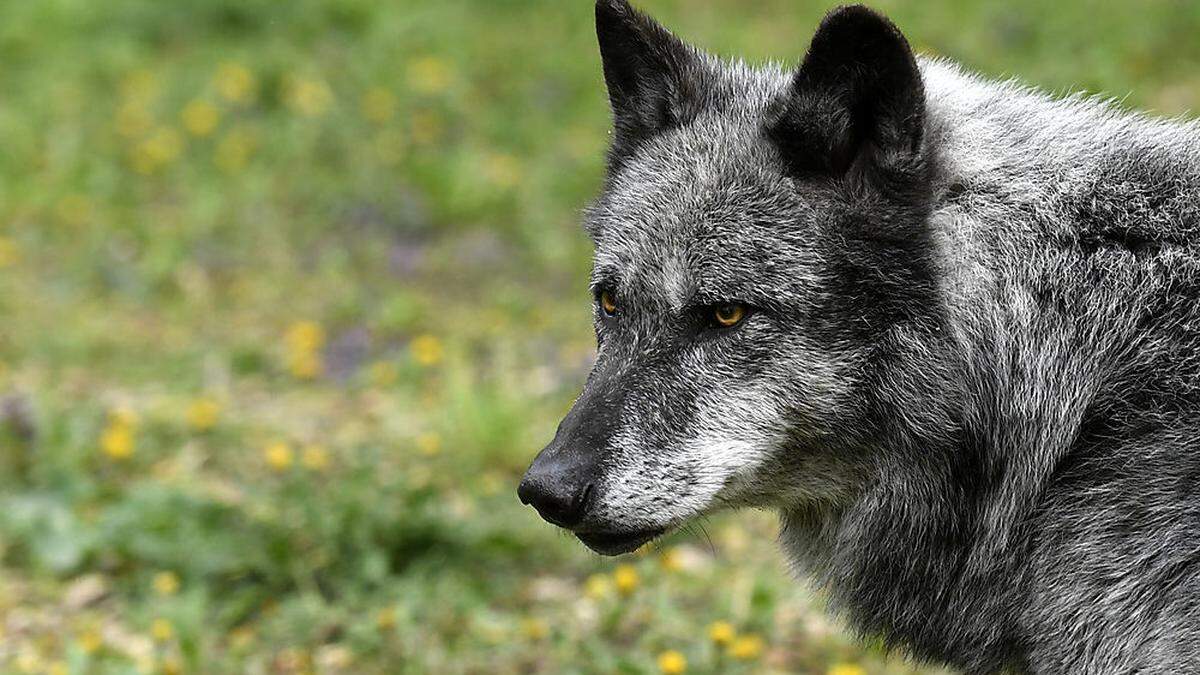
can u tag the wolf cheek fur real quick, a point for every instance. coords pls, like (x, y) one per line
(968, 375)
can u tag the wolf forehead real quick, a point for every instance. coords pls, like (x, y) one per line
(703, 213)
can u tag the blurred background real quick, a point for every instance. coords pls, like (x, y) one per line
(291, 293)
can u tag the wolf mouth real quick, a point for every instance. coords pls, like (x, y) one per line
(616, 543)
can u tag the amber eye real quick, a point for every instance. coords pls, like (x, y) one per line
(607, 303)
(727, 316)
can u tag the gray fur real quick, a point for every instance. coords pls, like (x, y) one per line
(985, 451)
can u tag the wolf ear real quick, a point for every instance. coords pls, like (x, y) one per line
(654, 79)
(858, 97)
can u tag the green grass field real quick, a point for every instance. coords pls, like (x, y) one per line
(291, 293)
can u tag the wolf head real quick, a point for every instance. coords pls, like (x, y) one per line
(759, 231)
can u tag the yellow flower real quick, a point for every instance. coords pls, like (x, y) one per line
(58, 668)
(429, 75)
(534, 628)
(90, 641)
(8, 252)
(200, 117)
(721, 632)
(671, 560)
(235, 83)
(378, 105)
(202, 414)
(846, 669)
(385, 618)
(626, 579)
(429, 444)
(304, 340)
(672, 662)
(171, 666)
(117, 441)
(156, 152)
(161, 630)
(426, 350)
(746, 647)
(234, 150)
(305, 365)
(597, 586)
(310, 98)
(166, 583)
(315, 457)
(278, 455)
(303, 336)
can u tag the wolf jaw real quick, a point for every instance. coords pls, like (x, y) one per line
(968, 379)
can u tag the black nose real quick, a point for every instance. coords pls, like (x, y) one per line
(557, 498)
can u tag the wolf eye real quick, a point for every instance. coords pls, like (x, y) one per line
(607, 303)
(728, 315)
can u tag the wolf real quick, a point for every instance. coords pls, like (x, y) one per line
(949, 329)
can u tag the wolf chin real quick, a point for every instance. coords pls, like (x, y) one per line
(947, 328)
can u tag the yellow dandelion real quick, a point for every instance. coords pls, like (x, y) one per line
(626, 579)
(304, 336)
(234, 150)
(8, 252)
(429, 443)
(117, 441)
(310, 98)
(90, 641)
(235, 83)
(429, 75)
(378, 105)
(426, 350)
(385, 619)
(203, 413)
(166, 583)
(157, 151)
(672, 662)
(57, 668)
(278, 455)
(315, 458)
(671, 559)
(721, 632)
(747, 647)
(846, 669)
(535, 628)
(305, 365)
(597, 586)
(161, 630)
(200, 118)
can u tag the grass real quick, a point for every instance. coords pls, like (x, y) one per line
(290, 294)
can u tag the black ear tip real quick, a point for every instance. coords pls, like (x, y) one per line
(607, 8)
(857, 18)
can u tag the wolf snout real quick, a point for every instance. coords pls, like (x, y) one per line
(560, 494)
